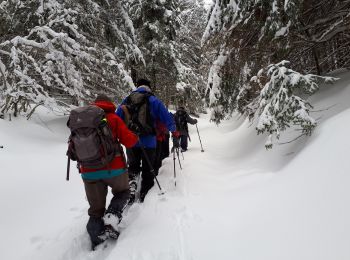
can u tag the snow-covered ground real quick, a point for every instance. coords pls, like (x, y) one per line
(234, 201)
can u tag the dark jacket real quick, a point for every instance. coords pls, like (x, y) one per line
(182, 118)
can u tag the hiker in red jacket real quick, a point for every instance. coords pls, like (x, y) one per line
(115, 176)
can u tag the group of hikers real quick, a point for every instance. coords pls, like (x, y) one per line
(143, 125)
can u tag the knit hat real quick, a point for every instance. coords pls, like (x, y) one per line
(103, 97)
(143, 82)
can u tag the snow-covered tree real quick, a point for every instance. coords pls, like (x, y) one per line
(58, 53)
(244, 36)
(283, 100)
(191, 63)
(168, 34)
(156, 23)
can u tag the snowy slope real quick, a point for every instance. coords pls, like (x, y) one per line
(234, 201)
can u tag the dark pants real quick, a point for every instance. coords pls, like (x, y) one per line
(162, 152)
(138, 163)
(165, 147)
(96, 193)
(158, 157)
(183, 142)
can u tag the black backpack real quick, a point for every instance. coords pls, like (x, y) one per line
(140, 120)
(181, 120)
(91, 141)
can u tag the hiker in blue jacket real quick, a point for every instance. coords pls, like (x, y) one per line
(152, 110)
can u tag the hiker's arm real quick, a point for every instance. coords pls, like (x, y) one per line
(164, 115)
(191, 120)
(125, 136)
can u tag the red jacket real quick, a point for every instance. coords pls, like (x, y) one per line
(120, 131)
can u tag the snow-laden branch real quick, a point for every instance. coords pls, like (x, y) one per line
(280, 104)
(70, 49)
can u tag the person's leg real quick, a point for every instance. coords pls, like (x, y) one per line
(158, 160)
(183, 143)
(165, 147)
(147, 176)
(120, 190)
(121, 193)
(134, 169)
(96, 192)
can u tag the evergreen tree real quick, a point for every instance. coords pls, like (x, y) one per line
(57, 53)
(282, 103)
(191, 64)
(242, 37)
(172, 55)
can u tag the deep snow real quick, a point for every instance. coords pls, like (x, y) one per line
(234, 201)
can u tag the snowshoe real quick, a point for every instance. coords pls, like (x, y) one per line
(132, 189)
(111, 232)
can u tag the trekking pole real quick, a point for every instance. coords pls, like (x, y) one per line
(178, 157)
(174, 159)
(200, 139)
(68, 168)
(151, 167)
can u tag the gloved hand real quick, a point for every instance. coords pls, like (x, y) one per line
(175, 134)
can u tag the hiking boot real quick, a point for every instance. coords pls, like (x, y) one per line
(95, 228)
(143, 194)
(109, 232)
(145, 187)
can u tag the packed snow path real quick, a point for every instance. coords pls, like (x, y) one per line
(234, 201)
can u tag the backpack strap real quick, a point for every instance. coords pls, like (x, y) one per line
(126, 114)
(133, 103)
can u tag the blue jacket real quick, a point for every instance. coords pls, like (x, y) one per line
(158, 112)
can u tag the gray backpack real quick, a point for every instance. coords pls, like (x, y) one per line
(140, 120)
(91, 142)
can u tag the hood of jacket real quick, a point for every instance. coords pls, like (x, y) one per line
(107, 106)
(143, 88)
